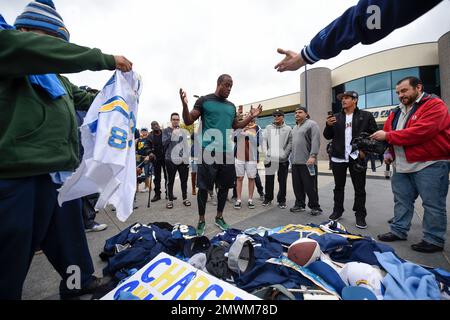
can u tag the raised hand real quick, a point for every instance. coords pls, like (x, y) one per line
(293, 61)
(254, 112)
(183, 97)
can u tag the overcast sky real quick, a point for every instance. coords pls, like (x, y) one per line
(189, 43)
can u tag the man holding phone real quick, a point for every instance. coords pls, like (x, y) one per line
(341, 128)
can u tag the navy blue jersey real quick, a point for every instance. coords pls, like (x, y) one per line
(136, 246)
(264, 247)
(265, 274)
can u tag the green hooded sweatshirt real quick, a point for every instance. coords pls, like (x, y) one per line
(38, 135)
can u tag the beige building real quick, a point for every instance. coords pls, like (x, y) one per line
(374, 78)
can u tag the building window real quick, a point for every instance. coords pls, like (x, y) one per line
(378, 82)
(378, 90)
(357, 85)
(379, 99)
(395, 100)
(264, 121)
(430, 79)
(398, 75)
(362, 101)
(289, 120)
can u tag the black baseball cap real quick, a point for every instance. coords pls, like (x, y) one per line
(278, 112)
(352, 94)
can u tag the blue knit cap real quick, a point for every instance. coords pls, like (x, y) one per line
(42, 15)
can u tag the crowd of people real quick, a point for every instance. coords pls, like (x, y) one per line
(37, 155)
(228, 145)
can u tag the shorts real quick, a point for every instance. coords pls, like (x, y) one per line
(222, 175)
(249, 167)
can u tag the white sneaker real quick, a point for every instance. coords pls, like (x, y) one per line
(97, 227)
(144, 190)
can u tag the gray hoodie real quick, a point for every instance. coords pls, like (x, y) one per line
(277, 143)
(176, 147)
(305, 141)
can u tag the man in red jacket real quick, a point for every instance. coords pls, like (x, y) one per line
(419, 134)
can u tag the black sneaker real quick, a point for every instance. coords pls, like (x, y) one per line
(426, 247)
(238, 205)
(251, 205)
(316, 212)
(93, 285)
(361, 222)
(266, 203)
(297, 209)
(282, 205)
(156, 197)
(335, 216)
(389, 237)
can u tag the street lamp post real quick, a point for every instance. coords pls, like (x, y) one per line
(306, 87)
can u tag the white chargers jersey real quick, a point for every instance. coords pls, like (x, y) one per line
(107, 134)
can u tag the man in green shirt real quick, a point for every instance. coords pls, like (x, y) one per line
(216, 161)
(39, 147)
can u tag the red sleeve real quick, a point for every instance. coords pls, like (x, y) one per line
(433, 119)
(388, 124)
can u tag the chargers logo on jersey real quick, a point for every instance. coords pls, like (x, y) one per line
(118, 137)
(116, 103)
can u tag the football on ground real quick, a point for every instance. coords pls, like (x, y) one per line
(304, 252)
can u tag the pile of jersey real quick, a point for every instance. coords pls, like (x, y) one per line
(346, 260)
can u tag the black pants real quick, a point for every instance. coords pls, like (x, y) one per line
(359, 185)
(258, 184)
(88, 207)
(31, 218)
(282, 174)
(159, 165)
(202, 198)
(183, 171)
(305, 184)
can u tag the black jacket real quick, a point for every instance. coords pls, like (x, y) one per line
(157, 147)
(363, 121)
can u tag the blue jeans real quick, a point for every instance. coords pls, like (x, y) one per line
(431, 184)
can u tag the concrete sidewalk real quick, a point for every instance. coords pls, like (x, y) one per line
(43, 281)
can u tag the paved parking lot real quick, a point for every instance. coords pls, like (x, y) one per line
(43, 281)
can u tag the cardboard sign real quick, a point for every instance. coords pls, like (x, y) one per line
(283, 261)
(168, 278)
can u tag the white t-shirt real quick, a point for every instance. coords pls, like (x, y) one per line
(348, 141)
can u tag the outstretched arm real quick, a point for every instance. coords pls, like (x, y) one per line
(366, 22)
(24, 53)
